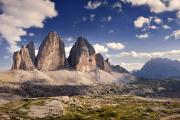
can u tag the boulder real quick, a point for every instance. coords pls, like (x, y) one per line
(51, 55)
(82, 56)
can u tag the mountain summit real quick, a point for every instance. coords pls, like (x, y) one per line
(160, 68)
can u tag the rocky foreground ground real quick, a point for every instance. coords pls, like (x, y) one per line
(91, 108)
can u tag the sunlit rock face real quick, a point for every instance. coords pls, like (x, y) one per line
(22, 60)
(82, 56)
(51, 55)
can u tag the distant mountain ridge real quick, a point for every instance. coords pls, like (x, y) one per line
(160, 68)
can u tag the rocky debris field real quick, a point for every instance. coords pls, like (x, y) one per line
(91, 108)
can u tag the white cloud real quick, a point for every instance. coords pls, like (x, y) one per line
(115, 46)
(178, 14)
(19, 15)
(132, 66)
(153, 27)
(100, 48)
(67, 50)
(84, 18)
(106, 19)
(69, 39)
(133, 54)
(166, 27)
(92, 16)
(141, 21)
(157, 6)
(31, 34)
(111, 31)
(142, 36)
(170, 19)
(118, 6)
(93, 5)
(175, 34)
(158, 20)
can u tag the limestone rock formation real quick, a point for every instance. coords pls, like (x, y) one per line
(22, 60)
(31, 50)
(51, 55)
(82, 56)
(119, 69)
(103, 64)
(107, 65)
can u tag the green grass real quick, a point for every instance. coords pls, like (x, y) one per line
(98, 108)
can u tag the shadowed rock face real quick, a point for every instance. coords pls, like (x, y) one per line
(119, 69)
(31, 50)
(82, 56)
(22, 60)
(51, 54)
(103, 64)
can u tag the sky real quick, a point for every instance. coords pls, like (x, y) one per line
(128, 32)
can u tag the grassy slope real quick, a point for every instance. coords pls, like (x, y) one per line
(98, 107)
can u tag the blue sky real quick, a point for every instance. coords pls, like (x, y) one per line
(129, 32)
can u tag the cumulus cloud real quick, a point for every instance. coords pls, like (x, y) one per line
(100, 48)
(115, 46)
(157, 6)
(93, 5)
(133, 54)
(175, 35)
(18, 15)
(142, 36)
(141, 21)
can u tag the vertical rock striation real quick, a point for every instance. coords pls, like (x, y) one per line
(51, 55)
(22, 60)
(82, 56)
(103, 64)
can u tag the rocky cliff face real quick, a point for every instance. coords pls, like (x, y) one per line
(22, 60)
(103, 64)
(82, 56)
(119, 69)
(31, 50)
(51, 54)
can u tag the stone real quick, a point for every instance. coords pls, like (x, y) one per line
(82, 56)
(51, 55)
